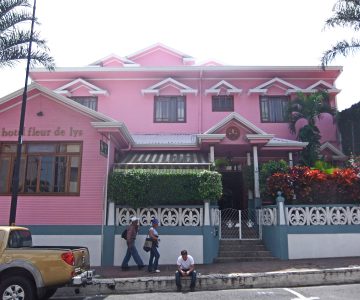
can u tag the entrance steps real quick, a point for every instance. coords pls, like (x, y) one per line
(243, 250)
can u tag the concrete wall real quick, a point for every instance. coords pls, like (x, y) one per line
(107, 248)
(297, 242)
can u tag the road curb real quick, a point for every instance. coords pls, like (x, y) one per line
(291, 278)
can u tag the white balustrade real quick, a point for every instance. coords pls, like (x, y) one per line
(322, 215)
(269, 216)
(167, 216)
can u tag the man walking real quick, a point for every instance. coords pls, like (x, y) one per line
(131, 249)
(186, 267)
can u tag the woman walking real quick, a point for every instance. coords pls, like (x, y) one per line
(154, 253)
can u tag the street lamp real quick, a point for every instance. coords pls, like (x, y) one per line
(16, 171)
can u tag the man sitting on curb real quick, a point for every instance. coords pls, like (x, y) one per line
(186, 267)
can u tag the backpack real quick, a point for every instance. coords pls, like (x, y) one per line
(124, 234)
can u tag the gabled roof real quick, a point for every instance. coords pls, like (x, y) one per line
(155, 89)
(216, 89)
(157, 46)
(235, 117)
(321, 83)
(102, 121)
(337, 153)
(125, 62)
(263, 88)
(78, 83)
(278, 142)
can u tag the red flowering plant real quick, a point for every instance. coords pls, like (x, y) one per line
(347, 184)
(302, 185)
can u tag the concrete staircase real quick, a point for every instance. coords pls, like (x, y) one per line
(243, 250)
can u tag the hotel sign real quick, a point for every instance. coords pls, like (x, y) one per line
(34, 131)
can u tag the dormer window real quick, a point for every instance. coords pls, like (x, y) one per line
(88, 101)
(169, 109)
(223, 103)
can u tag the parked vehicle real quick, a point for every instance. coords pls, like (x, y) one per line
(35, 272)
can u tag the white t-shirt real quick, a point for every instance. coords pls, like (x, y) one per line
(185, 264)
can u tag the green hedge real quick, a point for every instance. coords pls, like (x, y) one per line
(143, 188)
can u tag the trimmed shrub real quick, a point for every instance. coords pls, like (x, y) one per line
(143, 188)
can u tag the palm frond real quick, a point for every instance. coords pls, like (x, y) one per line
(343, 47)
(14, 39)
(346, 14)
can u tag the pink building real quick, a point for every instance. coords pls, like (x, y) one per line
(154, 108)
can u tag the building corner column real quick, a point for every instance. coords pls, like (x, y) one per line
(256, 178)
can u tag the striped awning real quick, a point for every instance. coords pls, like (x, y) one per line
(165, 160)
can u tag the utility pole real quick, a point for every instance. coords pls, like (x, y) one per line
(16, 171)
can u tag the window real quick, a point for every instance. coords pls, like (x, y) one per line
(89, 102)
(273, 109)
(45, 168)
(223, 103)
(169, 109)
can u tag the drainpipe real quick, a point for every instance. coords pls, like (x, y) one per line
(250, 192)
(201, 105)
(104, 217)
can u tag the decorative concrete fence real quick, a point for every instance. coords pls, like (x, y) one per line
(194, 228)
(312, 231)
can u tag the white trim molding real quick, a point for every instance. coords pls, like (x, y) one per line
(216, 89)
(235, 117)
(263, 88)
(93, 89)
(155, 89)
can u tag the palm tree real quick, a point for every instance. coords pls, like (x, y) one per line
(309, 107)
(14, 38)
(346, 14)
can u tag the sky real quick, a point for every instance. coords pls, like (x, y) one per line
(233, 32)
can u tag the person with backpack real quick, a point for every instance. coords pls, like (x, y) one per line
(131, 251)
(154, 253)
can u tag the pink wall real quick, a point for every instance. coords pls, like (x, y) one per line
(83, 209)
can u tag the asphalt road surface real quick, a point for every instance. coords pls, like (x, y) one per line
(332, 292)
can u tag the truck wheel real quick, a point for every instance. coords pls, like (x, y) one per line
(16, 288)
(48, 293)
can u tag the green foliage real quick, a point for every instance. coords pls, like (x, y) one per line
(221, 163)
(269, 168)
(143, 188)
(15, 35)
(309, 107)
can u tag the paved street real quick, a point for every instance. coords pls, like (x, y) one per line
(333, 292)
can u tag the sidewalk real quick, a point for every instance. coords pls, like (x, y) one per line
(278, 273)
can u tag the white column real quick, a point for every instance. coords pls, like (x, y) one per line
(291, 163)
(111, 213)
(212, 154)
(206, 212)
(248, 161)
(256, 173)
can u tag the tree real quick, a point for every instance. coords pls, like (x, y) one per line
(14, 37)
(309, 107)
(346, 14)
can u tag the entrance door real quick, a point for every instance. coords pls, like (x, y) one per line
(240, 224)
(232, 197)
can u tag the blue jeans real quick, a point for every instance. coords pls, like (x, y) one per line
(154, 258)
(178, 278)
(131, 251)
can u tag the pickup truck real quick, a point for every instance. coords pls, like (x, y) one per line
(35, 272)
